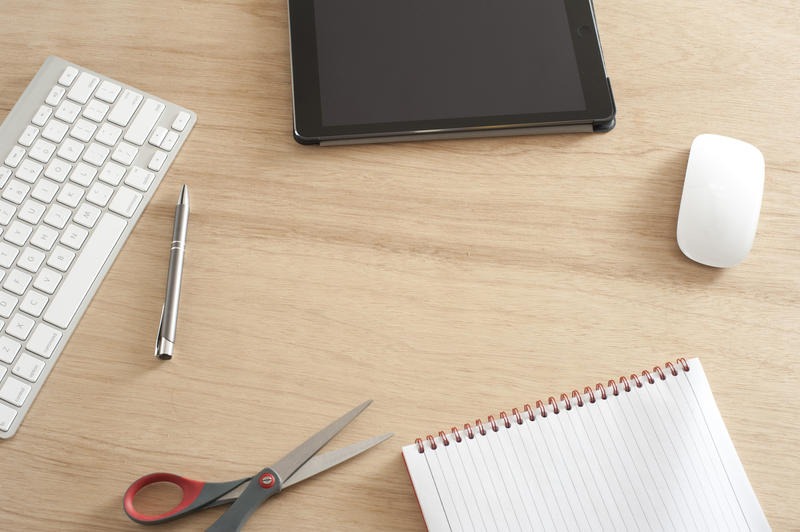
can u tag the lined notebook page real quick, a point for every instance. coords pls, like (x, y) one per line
(657, 457)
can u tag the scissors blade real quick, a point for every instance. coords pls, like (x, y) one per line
(286, 466)
(320, 463)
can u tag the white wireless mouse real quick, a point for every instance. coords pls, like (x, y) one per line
(721, 200)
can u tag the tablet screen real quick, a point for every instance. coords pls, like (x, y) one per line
(404, 60)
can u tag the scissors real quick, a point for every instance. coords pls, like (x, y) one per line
(296, 466)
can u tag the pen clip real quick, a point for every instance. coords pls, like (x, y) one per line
(164, 347)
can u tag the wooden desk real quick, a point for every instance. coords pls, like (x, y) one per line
(445, 280)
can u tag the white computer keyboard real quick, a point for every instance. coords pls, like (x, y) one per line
(80, 157)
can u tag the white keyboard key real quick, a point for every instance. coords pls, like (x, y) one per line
(7, 211)
(83, 88)
(43, 340)
(169, 141)
(68, 76)
(19, 326)
(125, 153)
(99, 194)
(7, 415)
(29, 171)
(60, 259)
(158, 136)
(28, 367)
(70, 150)
(145, 119)
(70, 195)
(83, 130)
(45, 190)
(42, 115)
(26, 139)
(180, 121)
(15, 191)
(157, 161)
(8, 347)
(7, 255)
(14, 391)
(31, 212)
(47, 281)
(31, 259)
(44, 237)
(42, 150)
(108, 91)
(16, 283)
(58, 170)
(83, 174)
(95, 111)
(68, 111)
(55, 95)
(15, 156)
(18, 233)
(126, 106)
(5, 173)
(87, 215)
(74, 236)
(125, 202)
(57, 216)
(55, 131)
(108, 134)
(33, 303)
(96, 154)
(112, 174)
(140, 178)
(85, 270)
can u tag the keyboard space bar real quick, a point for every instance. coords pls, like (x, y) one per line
(89, 263)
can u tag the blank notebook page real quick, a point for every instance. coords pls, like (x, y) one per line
(654, 456)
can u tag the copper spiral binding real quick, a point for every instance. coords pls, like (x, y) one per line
(564, 399)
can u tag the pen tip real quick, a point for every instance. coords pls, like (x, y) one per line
(184, 198)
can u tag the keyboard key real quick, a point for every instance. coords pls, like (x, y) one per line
(112, 174)
(7, 415)
(31, 212)
(28, 367)
(68, 111)
(70, 195)
(87, 215)
(145, 120)
(43, 340)
(158, 136)
(8, 347)
(33, 303)
(95, 111)
(85, 270)
(70, 150)
(58, 170)
(55, 131)
(108, 91)
(108, 134)
(18, 233)
(139, 178)
(15, 156)
(19, 326)
(26, 139)
(7, 255)
(17, 282)
(7, 211)
(125, 153)
(55, 95)
(60, 259)
(96, 154)
(57, 216)
(31, 259)
(74, 236)
(157, 161)
(47, 281)
(125, 202)
(99, 194)
(42, 150)
(15, 191)
(126, 106)
(68, 76)
(179, 124)
(83, 88)
(83, 174)
(14, 391)
(29, 171)
(44, 237)
(42, 115)
(45, 190)
(169, 141)
(83, 130)
(5, 173)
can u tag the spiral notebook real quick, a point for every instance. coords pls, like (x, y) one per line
(648, 452)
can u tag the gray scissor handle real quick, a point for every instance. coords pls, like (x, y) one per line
(260, 488)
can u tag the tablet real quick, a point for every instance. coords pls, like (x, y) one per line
(388, 70)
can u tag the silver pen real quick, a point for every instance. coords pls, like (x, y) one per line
(165, 343)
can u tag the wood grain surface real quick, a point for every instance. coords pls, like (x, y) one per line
(445, 280)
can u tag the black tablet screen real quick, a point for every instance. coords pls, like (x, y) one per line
(403, 60)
